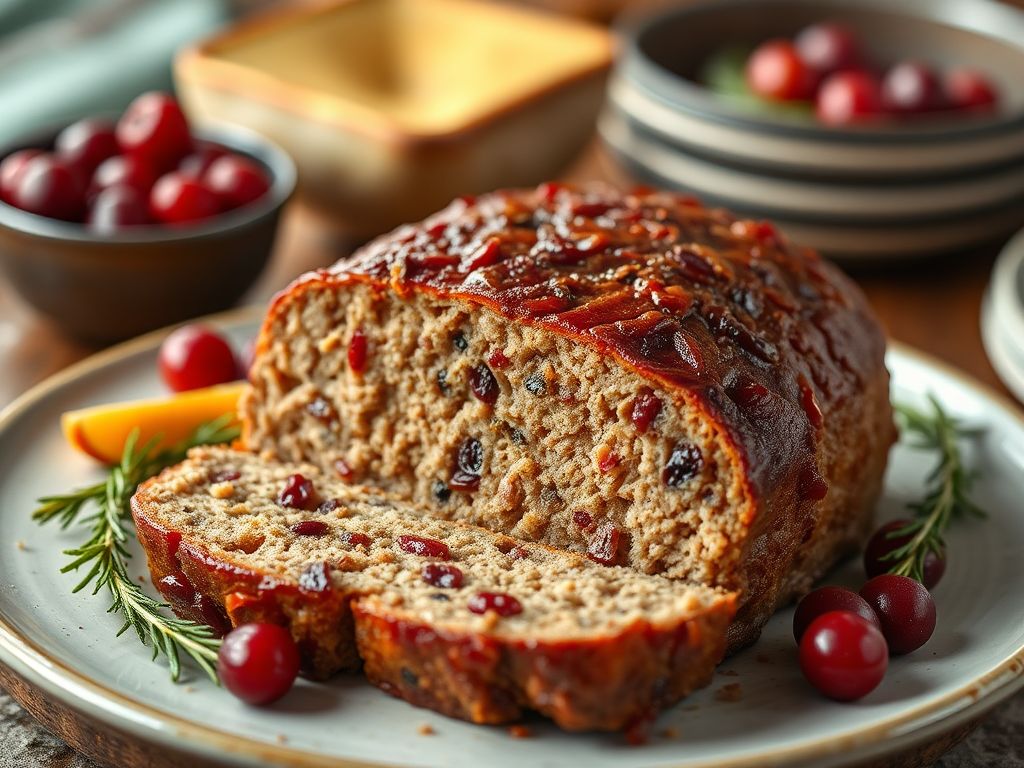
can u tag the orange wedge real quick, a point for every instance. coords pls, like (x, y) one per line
(101, 431)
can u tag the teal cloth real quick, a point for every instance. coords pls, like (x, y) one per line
(97, 74)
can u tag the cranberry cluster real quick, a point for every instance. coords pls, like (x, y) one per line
(846, 638)
(824, 64)
(144, 169)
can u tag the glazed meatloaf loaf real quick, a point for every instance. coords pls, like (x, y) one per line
(629, 376)
(445, 615)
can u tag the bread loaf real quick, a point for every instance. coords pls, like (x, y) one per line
(448, 616)
(632, 377)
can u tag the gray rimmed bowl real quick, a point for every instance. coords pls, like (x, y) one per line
(104, 288)
(656, 84)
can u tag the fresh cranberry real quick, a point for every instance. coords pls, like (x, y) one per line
(843, 655)
(849, 97)
(176, 199)
(828, 47)
(826, 599)
(683, 464)
(297, 493)
(645, 410)
(193, 356)
(194, 165)
(966, 89)
(122, 170)
(424, 547)
(499, 602)
(885, 541)
(483, 384)
(86, 144)
(309, 528)
(468, 464)
(905, 609)
(357, 352)
(910, 87)
(154, 129)
(47, 186)
(236, 180)
(775, 71)
(258, 663)
(10, 171)
(442, 575)
(116, 208)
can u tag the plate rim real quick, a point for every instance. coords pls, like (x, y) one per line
(108, 707)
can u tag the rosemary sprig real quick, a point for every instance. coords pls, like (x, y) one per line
(949, 484)
(107, 555)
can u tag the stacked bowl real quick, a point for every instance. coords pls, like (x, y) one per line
(1002, 316)
(889, 189)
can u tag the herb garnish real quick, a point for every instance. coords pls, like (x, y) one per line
(947, 485)
(107, 553)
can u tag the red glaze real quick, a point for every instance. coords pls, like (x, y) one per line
(613, 310)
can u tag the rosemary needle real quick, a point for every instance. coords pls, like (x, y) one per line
(947, 488)
(106, 554)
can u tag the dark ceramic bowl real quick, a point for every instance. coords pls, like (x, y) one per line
(105, 288)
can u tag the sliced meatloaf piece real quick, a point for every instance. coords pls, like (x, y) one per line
(446, 615)
(629, 376)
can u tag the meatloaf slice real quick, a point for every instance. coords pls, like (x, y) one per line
(629, 376)
(446, 615)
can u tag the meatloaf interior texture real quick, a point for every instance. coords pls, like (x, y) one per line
(446, 615)
(629, 376)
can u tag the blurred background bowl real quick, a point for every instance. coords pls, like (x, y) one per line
(897, 189)
(392, 108)
(104, 288)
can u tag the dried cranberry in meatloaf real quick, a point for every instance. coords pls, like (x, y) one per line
(630, 376)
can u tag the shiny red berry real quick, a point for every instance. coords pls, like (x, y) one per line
(968, 90)
(193, 356)
(258, 663)
(117, 208)
(124, 171)
(775, 71)
(828, 47)
(176, 199)
(826, 599)
(905, 609)
(195, 164)
(843, 655)
(885, 541)
(86, 143)
(848, 97)
(910, 87)
(10, 171)
(47, 186)
(154, 129)
(236, 180)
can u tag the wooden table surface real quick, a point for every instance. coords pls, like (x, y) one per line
(932, 305)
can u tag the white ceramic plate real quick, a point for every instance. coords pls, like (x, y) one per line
(757, 711)
(1002, 316)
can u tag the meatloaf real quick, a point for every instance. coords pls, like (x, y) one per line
(633, 377)
(445, 615)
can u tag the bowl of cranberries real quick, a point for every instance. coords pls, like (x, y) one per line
(877, 89)
(114, 226)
